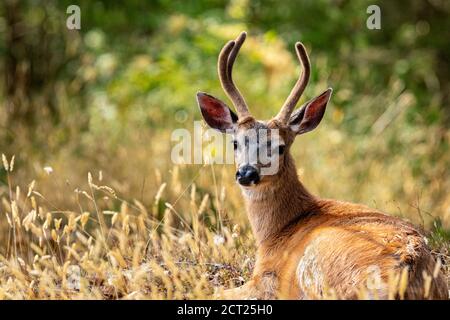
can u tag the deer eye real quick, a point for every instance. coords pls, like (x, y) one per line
(235, 144)
(281, 149)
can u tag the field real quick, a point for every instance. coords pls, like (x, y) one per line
(92, 207)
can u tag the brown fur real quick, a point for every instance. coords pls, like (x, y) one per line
(307, 245)
(310, 247)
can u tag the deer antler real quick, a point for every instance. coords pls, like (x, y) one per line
(300, 85)
(225, 66)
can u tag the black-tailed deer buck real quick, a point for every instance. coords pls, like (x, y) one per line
(310, 247)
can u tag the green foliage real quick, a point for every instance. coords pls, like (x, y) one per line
(131, 73)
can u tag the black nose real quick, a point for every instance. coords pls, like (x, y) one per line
(246, 175)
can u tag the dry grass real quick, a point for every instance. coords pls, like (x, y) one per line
(137, 227)
(133, 252)
(184, 244)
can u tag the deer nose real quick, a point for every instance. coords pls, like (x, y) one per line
(246, 175)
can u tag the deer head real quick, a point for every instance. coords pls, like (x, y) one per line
(259, 144)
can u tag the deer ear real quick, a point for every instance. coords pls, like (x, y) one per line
(310, 114)
(215, 112)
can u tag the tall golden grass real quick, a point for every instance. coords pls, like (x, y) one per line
(189, 241)
(128, 252)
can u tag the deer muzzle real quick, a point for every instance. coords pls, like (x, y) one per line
(247, 175)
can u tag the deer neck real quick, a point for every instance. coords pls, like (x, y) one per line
(273, 206)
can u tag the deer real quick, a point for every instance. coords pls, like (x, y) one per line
(308, 247)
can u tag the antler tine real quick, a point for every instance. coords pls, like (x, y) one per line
(225, 66)
(300, 85)
(234, 52)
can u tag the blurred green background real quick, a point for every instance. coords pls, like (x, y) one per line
(108, 96)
